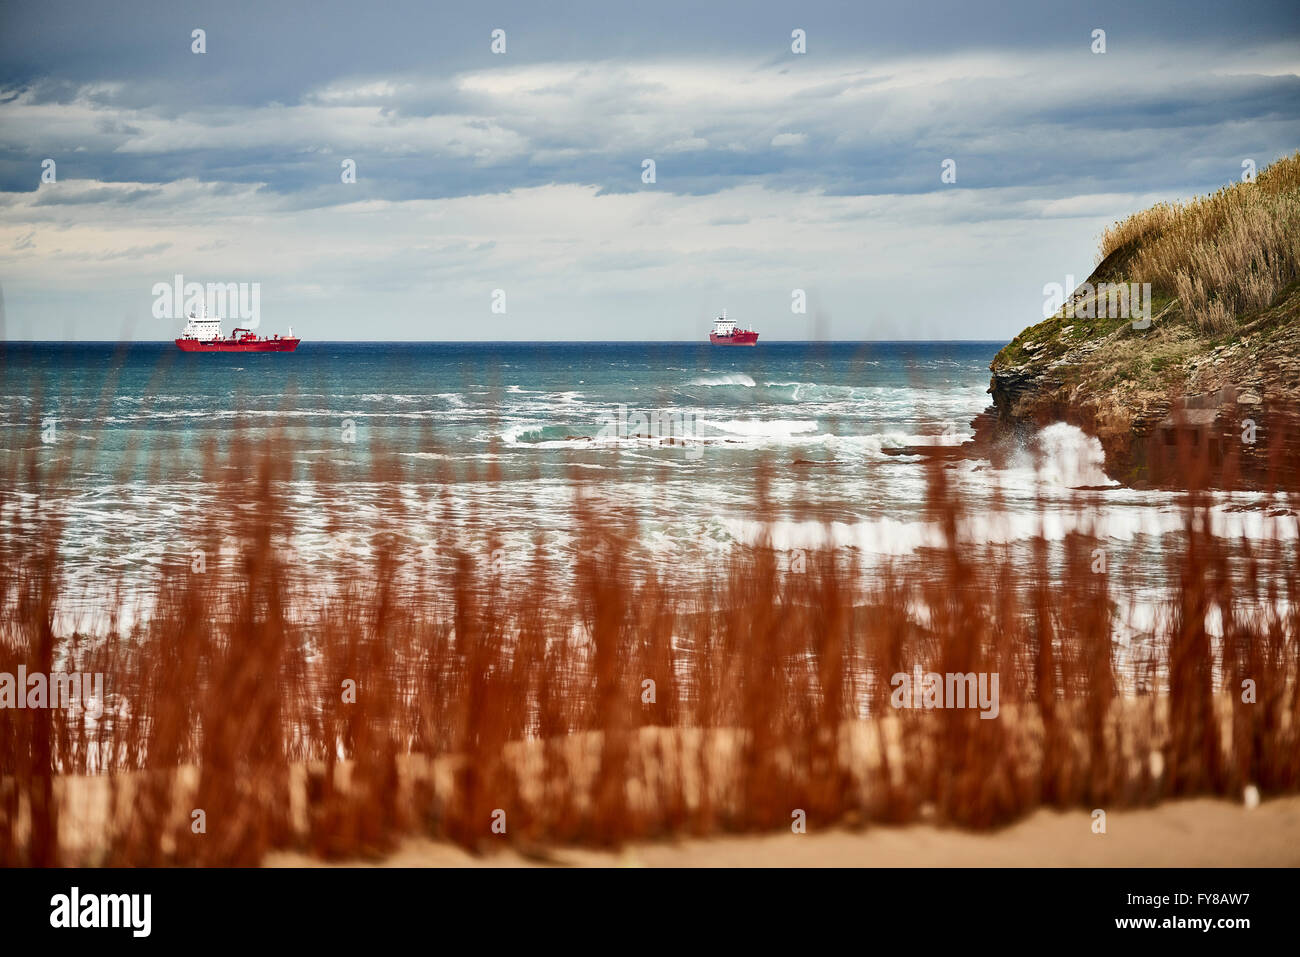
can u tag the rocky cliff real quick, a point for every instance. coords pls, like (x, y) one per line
(1199, 379)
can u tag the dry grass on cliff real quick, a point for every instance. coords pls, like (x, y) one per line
(481, 691)
(1224, 255)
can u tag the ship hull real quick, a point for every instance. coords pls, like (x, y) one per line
(224, 345)
(739, 339)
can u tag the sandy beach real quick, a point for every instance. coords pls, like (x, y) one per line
(1191, 833)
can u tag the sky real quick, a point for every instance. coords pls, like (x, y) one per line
(503, 195)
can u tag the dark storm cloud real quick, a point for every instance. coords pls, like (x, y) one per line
(128, 68)
(262, 50)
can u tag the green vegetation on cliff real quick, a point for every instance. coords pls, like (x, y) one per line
(1223, 273)
(1214, 264)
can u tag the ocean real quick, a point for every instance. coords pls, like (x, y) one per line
(679, 440)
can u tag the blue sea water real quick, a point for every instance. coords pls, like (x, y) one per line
(671, 432)
(507, 435)
(527, 395)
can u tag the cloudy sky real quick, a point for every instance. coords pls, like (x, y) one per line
(522, 171)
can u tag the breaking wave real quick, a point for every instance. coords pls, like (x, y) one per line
(1062, 454)
(736, 378)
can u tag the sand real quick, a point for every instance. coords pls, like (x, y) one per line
(1192, 833)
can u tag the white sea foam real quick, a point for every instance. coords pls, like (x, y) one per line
(731, 378)
(887, 536)
(1065, 455)
(758, 428)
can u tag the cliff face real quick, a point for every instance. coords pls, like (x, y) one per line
(1163, 401)
(1207, 391)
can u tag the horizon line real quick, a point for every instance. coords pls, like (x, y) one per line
(697, 342)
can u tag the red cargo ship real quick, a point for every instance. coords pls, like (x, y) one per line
(204, 335)
(725, 333)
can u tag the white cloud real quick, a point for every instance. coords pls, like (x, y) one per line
(687, 144)
(857, 216)
(891, 265)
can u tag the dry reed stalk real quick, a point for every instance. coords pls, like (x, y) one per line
(1224, 255)
(482, 690)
